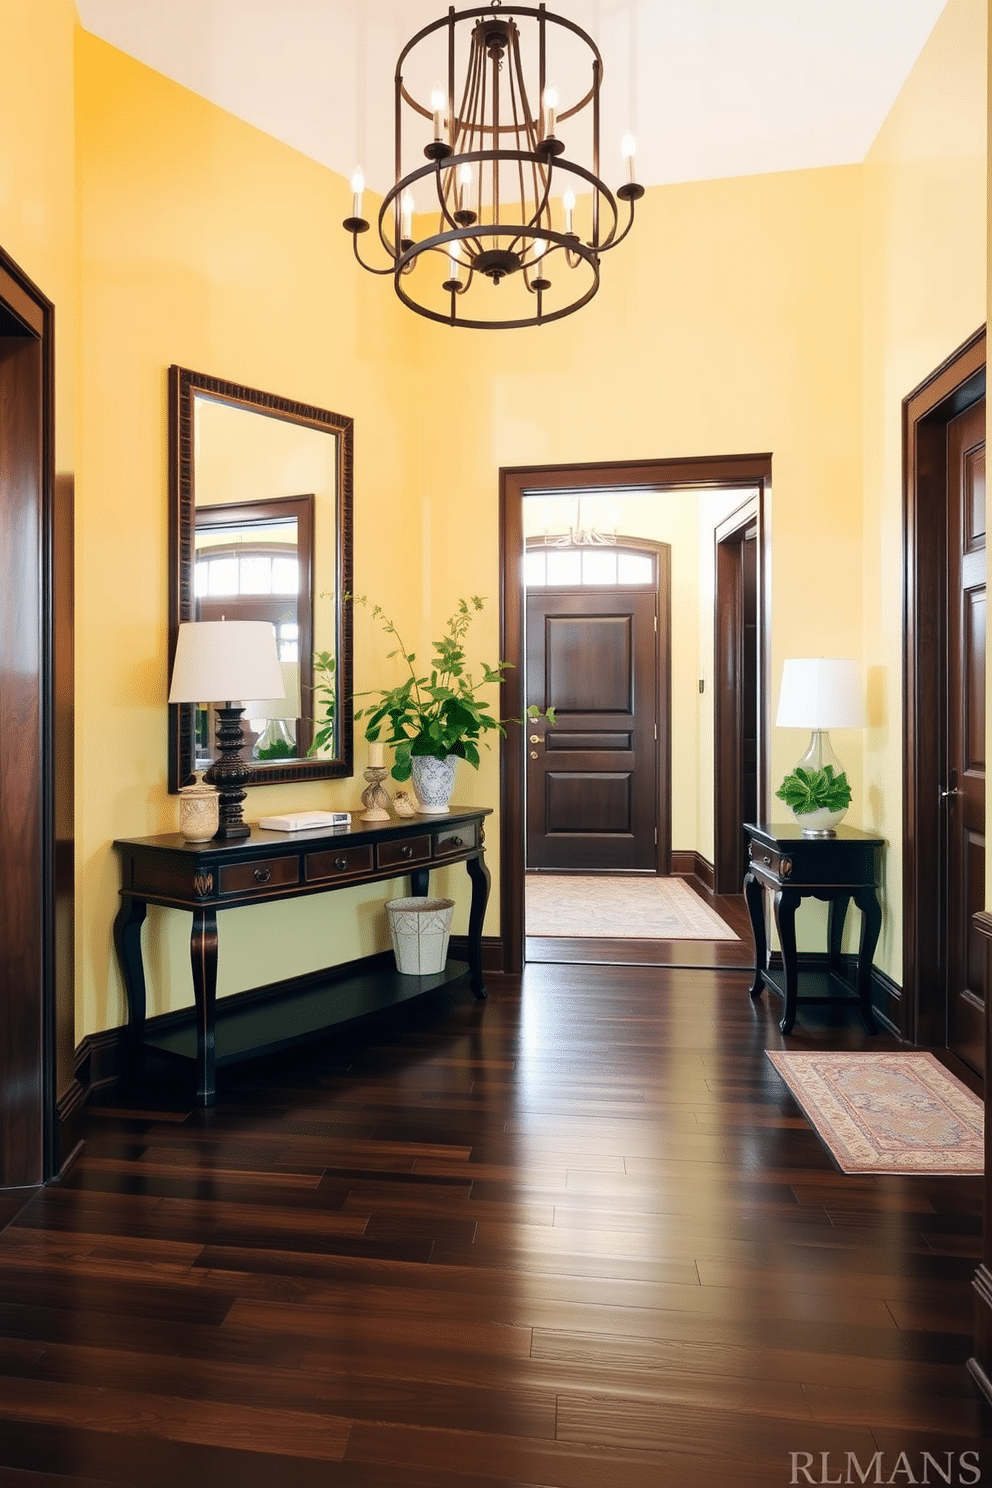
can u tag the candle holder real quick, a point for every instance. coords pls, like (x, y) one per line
(375, 797)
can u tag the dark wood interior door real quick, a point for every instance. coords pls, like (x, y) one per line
(592, 780)
(965, 790)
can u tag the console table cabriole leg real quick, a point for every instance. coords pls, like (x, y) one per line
(836, 916)
(479, 874)
(786, 902)
(871, 926)
(127, 942)
(754, 899)
(203, 960)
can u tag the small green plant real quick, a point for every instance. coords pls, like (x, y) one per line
(815, 790)
(324, 690)
(440, 712)
(278, 749)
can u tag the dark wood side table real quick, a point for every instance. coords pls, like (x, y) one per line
(205, 877)
(793, 867)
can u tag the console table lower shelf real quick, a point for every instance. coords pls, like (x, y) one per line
(248, 1024)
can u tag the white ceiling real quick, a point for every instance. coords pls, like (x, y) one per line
(710, 87)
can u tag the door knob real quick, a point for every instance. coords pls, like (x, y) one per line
(944, 794)
(533, 754)
(535, 738)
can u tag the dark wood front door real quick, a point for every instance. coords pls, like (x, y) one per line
(965, 791)
(592, 780)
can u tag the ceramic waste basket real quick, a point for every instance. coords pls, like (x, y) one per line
(420, 929)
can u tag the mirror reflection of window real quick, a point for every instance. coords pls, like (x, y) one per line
(249, 561)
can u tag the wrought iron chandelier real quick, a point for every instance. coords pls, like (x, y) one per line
(521, 224)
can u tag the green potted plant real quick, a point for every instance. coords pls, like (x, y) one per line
(818, 798)
(325, 694)
(435, 717)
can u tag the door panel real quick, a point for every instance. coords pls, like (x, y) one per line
(965, 820)
(592, 785)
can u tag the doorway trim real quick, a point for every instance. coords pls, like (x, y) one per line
(954, 386)
(36, 933)
(729, 852)
(751, 472)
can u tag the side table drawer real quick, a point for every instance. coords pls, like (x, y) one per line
(767, 860)
(346, 862)
(258, 876)
(399, 854)
(456, 840)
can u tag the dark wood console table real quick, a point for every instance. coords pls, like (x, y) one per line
(205, 877)
(793, 867)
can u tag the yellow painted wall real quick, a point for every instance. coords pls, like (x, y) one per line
(925, 191)
(38, 176)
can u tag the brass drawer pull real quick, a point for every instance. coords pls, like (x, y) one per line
(340, 864)
(406, 851)
(262, 875)
(456, 841)
(766, 858)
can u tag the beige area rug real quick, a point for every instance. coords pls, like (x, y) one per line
(619, 909)
(888, 1113)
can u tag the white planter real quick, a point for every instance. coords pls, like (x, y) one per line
(420, 929)
(819, 823)
(434, 781)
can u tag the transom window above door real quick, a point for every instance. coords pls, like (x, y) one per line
(547, 566)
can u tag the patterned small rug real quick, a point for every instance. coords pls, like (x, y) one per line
(604, 908)
(888, 1113)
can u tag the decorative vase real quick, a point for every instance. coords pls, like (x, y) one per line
(199, 814)
(434, 782)
(820, 823)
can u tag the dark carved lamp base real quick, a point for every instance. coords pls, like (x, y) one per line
(230, 773)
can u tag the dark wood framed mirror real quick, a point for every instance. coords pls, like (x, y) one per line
(260, 527)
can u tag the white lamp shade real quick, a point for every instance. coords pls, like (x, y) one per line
(224, 661)
(821, 693)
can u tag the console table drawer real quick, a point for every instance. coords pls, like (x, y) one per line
(458, 839)
(344, 862)
(399, 854)
(259, 875)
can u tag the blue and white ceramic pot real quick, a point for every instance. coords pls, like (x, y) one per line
(434, 782)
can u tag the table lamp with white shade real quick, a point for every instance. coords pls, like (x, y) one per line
(220, 661)
(820, 693)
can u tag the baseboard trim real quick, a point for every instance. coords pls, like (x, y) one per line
(493, 963)
(692, 865)
(68, 1126)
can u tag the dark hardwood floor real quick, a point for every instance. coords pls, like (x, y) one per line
(579, 1236)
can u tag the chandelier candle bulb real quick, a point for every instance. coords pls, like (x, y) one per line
(628, 149)
(568, 204)
(550, 110)
(407, 206)
(357, 187)
(439, 103)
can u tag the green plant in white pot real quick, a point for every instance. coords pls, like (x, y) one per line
(437, 718)
(818, 798)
